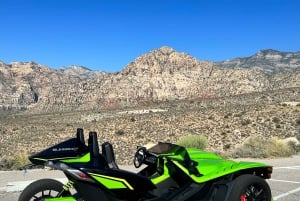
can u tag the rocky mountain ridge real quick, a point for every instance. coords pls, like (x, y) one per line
(79, 71)
(271, 61)
(160, 75)
(160, 96)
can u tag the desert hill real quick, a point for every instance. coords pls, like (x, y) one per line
(160, 96)
(160, 75)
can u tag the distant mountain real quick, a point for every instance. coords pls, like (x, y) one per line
(160, 75)
(79, 71)
(271, 61)
(26, 84)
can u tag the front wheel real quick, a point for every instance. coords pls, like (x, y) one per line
(250, 188)
(40, 189)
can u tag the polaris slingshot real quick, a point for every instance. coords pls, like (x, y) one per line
(169, 173)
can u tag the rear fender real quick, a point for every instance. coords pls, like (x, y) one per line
(214, 169)
(263, 172)
(221, 189)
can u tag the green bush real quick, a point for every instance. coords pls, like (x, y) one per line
(257, 147)
(6, 163)
(20, 159)
(120, 132)
(13, 162)
(294, 146)
(245, 122)
(279, 148)
(193, 141)
(276, 120)
(253, 148)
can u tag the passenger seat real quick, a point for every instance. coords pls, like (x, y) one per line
(108, 153)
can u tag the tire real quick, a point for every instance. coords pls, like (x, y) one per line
(250, 188)
(40, 189)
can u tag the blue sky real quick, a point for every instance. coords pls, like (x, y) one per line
(107, 35)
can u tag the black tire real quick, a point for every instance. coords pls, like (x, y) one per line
(250, 188)
(41, 189)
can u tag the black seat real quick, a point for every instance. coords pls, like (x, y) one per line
(97, 160)
(109, 155)
(80, 136)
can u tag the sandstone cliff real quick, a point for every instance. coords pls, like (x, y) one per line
(160, 75)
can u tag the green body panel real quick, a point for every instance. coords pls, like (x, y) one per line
(111, 182)
(213, 169)
(156, 179)
(83, 159)
(61, 199)
(210, 165)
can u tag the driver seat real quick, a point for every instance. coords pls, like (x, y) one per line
(109, 155)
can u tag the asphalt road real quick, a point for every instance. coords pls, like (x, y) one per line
(285, 181)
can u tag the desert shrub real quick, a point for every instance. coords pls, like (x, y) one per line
(257, 147)
(298, 136)
(279, 148)
(193, 141)
(276, 120)
(13, 162)
(253, 147)
(6, 163)
(226, 146)
(20, 159)
(294, 146)
(120, 132)
(245, 122)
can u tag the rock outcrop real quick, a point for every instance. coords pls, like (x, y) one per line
(160, 75)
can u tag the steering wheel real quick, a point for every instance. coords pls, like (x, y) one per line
(139, 157)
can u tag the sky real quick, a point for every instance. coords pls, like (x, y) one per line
(106, 35)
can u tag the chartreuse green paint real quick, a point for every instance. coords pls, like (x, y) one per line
(211, 166)
(111, 182)
(60, 199)
(83, 159)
